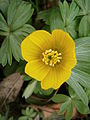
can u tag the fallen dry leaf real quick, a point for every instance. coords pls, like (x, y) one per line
(51, 108)
(9, 88)
(48, 110)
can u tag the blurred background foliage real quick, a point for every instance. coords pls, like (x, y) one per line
(19, 18)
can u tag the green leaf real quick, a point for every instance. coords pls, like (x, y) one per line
(67, 107)
(3, 24)
(66, 19)
(83, 66)
(43, 15)
(63, 17)
(72, 93)
(69, 111)
(84, 27)
(55, 20)
(10, 69)
(78, 89)
(2, 117)
(82, 108)
(28, 111)
(28, 114)
(63, 107)
(11, 118)
(27, 78)
(15, 30)
(21, 67)
(73, 12)
(23, 118)
(84, 5)
(24, 31)
(29, 89)
(11, 11)
(83, 51)
(68, 14)
(46, 92)
(88, 93)
(81, 73)
(18, 16)
(4, 6)
(81, 77)
(64, 9)
(15, 47)
(42, 92)
(4, 55)
(60, 98)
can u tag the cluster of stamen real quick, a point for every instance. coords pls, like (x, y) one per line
(51, 57)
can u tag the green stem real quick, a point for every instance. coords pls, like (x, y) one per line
(33, 4)
(37, 5)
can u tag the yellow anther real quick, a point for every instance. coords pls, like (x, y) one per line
(60, 54)
(43, 59)
(51, 57)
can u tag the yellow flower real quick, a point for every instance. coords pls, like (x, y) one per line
(50, 57)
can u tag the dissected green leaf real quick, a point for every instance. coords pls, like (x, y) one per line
(42, 92)
(23, 118)
(15, 47)
(68, 14)
(29, 89)
(46, 92)
(63, 18)
(5, 52)
(82, 108)
(4, 6)
(81, 77)
(55, 20)
(3, 24)
(15, 29)
(11, 11)
(78, 89)
(19, 20)
(23, 31)
(84, 5)
(28, 114)
(43, 15)
(84, 27)
(72, 93)
(69, 111)
(18, 16)
(64, 10)
(83, 53)
(60, 98)
(10, 69)
(88, 93)
(27, 78)
(81, 73)
(63, 107)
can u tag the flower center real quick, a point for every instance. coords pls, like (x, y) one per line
(51, 57)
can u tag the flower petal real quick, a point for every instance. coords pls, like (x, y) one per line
(33, 45)
(37, 69)
(55, 78)
(66, 45)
